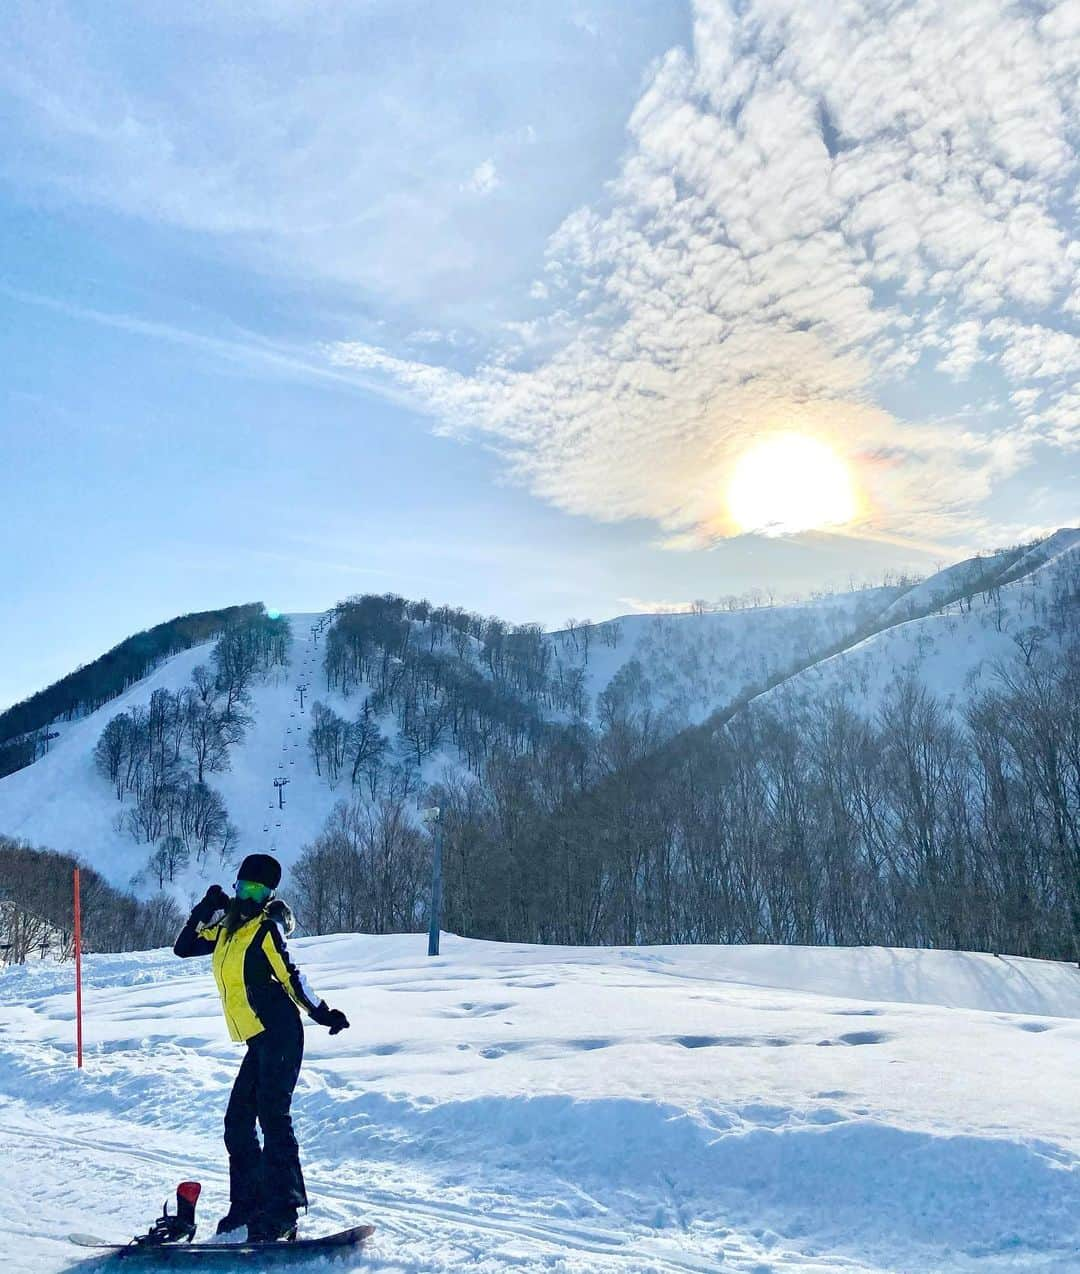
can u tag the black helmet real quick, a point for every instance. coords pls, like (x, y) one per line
(261, 868)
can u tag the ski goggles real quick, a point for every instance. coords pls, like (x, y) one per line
(252, 891)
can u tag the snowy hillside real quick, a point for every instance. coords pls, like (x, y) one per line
(952, 629)
(691, 665)
(62, 802)
(959, 647)
(698, 663)
(610, 1110)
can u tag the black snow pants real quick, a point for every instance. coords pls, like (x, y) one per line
(266, 1181)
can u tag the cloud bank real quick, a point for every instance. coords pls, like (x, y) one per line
(817, 205)
(349, 147)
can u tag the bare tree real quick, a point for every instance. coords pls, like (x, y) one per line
(1029, 640)
(112, 750)
(366, 745)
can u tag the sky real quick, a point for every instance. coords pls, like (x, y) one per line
(488, 303)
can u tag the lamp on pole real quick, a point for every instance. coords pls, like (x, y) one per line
(432, 816)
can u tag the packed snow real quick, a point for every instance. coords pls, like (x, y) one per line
(552, 1109)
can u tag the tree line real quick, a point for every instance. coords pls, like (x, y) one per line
(161, 754)
(448, 676)
(794, 821)
(39, 883)
(23, 726)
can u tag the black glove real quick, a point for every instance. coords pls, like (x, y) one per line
(338, 1021)
(215, 899)
(324, 1015)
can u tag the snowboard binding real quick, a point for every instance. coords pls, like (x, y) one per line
(174, 1227)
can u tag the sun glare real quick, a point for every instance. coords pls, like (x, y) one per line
(790, 482)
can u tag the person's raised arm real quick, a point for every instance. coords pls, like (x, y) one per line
(198, 935)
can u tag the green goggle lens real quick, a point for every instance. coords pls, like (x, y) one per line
(252, 891)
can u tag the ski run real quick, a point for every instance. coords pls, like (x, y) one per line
(748, 1109)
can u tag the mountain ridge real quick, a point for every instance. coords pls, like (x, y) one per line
(693, 670)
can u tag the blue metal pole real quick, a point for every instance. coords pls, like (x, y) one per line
(436, 892)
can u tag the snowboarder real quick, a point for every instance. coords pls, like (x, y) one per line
(261, 993)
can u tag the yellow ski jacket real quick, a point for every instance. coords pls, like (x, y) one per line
(259, 985)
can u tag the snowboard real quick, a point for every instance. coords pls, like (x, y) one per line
(183, 1253)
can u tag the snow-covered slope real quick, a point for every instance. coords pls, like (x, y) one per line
(945, 585)
(63, 803)
(960, 646)
(694, 664)
(698, 663)
(544, 1109)
(1054, 546)
(952, 629)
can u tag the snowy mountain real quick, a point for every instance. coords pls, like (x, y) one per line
(699, 663)
(62, 801)
(955, 631)
(951, 629)
(604, 1111)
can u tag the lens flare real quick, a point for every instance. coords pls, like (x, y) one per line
(789, 483)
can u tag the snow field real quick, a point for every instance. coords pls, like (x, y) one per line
(510, 1107)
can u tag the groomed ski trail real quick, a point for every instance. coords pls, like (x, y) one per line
(413, 1234)
(657, 1110)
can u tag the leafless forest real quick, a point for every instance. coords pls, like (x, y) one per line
(797, 820)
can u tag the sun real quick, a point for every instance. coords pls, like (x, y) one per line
(790, 482)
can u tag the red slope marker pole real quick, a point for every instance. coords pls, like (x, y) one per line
(78, 973)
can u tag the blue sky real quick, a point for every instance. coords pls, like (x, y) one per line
(483, 302)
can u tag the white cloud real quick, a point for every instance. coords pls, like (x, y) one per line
(812, 197)
(293, 131)
(817, 205)
(484, 179)
(963, 355)
(1034, 352)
